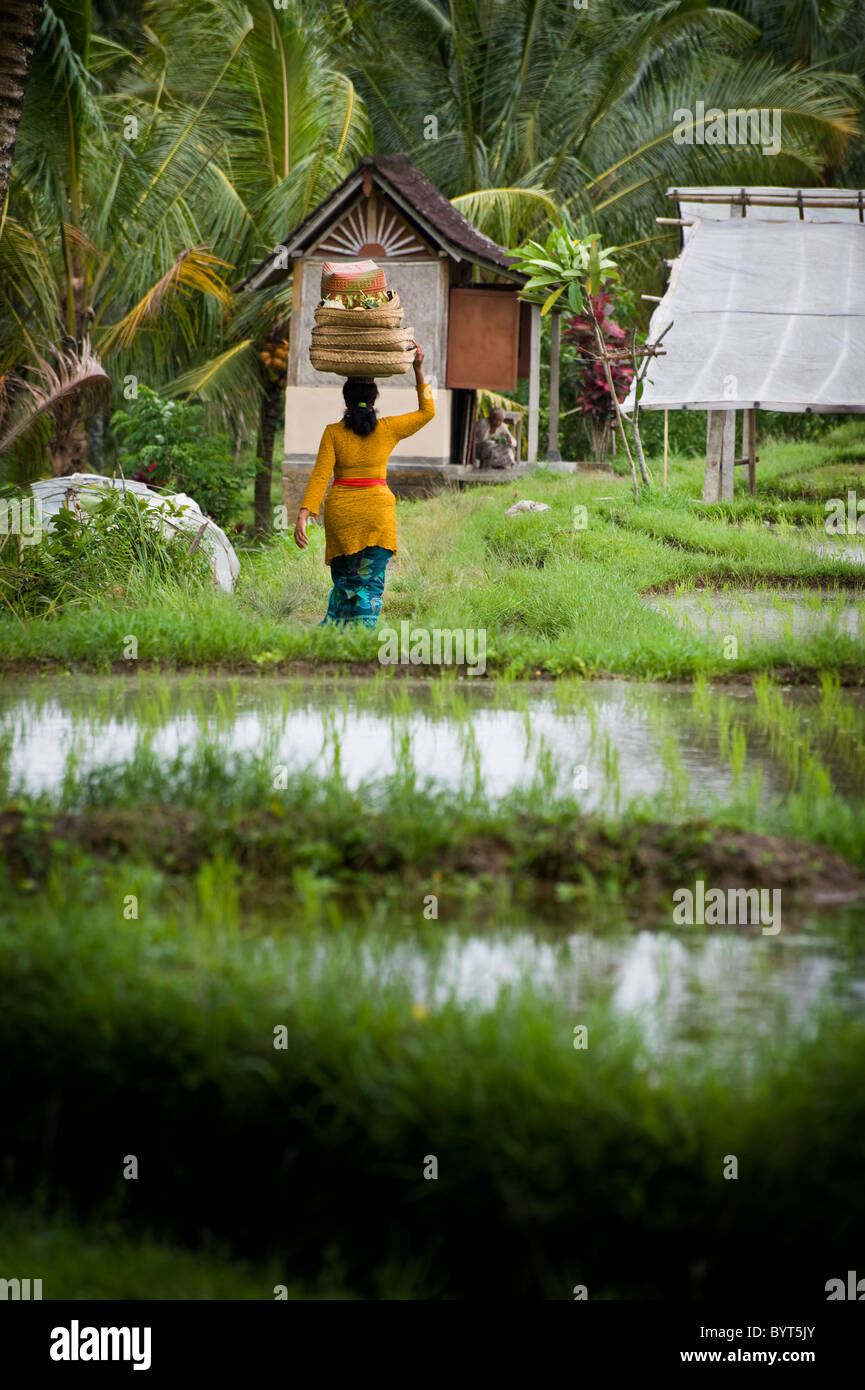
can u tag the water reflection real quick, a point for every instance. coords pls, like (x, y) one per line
(607, 742)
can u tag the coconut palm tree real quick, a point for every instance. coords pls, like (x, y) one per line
(506, 102)
(18, 30)
(103, 257)
(809, 32)
(291, 126)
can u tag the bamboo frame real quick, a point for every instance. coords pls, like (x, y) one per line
(666, 441)
(555, 356)
(801, 198)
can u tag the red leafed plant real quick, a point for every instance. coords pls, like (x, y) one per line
(592, 393)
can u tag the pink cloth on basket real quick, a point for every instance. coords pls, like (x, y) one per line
(351, 277)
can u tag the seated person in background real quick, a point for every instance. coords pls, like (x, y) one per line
(495, 446)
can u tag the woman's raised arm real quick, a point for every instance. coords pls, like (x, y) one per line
(404, 425)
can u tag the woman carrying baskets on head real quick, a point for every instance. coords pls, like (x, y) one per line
(360, 511)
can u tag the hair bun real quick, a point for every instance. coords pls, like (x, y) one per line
(360, 415)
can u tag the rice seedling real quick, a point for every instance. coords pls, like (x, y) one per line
(738, 750)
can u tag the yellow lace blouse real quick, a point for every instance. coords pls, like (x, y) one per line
(355, 517)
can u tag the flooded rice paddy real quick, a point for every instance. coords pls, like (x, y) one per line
(678, 989)
(610, 744)
(764, 613)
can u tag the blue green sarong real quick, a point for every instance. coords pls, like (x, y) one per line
(358, 585)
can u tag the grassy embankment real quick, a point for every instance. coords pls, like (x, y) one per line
(550, 598)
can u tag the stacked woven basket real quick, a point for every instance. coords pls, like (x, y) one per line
(358, 324)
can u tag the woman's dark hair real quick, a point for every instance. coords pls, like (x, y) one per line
(360, 398)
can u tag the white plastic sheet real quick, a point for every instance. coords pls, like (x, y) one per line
(766, 311)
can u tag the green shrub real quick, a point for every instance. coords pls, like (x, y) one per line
(99, 549)
(164, 445)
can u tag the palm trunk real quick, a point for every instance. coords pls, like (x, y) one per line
(19, 26)
(95, 428)
(68, 450)
(270, 403)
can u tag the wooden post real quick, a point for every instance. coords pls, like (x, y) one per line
(468, 458)
(714, 433)
(296, 343)
(666, 442)
(555, 345)
(728, 455)
(534, 383)
(751, 417)
(720, 455)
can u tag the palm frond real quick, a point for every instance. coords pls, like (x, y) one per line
(506, 214)
(492, 400)
(194, 271)
(233, 372)
(74, 372)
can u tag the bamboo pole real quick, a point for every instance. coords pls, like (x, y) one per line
(666, 442)
(555, 342)
(534, 383)
(801, 198)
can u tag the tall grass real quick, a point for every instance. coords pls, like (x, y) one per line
(551, 599)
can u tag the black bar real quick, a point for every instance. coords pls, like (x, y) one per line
(229, 1338)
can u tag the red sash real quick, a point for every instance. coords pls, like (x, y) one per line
(360, 482)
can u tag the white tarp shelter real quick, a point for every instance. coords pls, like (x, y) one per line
(767, 305)
(56, 493)
(768, 308)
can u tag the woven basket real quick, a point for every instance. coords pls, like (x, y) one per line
(370, 340)
(385, 316)
(344, 362)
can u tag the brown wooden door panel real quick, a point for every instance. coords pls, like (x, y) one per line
(483, 340)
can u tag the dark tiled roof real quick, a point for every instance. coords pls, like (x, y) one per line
(397, 174)
(415, 187)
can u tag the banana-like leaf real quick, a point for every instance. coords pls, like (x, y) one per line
(540, 282)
